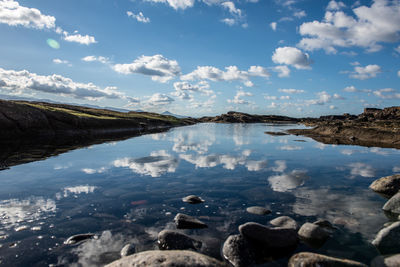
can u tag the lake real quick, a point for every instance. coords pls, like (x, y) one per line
(128, 191)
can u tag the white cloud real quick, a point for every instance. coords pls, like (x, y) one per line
(78, 38)
(300, 14)
(283, 71)
(158, 99)
(184, 90)
(382, 93)
(229, 21)
(333, 5)
(158, 67)
(291, 91)
(337, 96)
(13, 14)
(80, 189)
(231, 7)
(176, 4)
(379, 23)
(323, 98)
(273, 25)
(367, 72)
(139, 17)
(361, 169)
(332, 107)
(237, 99)
(280, 166)
(350, 89)
(60, 61)
(100, 59)
(288, 181)
(290, 148)
(232, 73)
(291, 56)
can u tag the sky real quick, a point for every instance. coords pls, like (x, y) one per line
(204, 57)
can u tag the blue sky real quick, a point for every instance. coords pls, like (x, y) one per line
(204, 57)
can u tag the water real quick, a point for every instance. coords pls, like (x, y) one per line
(128, 191)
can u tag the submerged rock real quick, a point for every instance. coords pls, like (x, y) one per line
(390, 261)
(307, 259)
(167, 258)
(284, 222)
(238, 251)
(393, 204)
(388, 239)
(276, 237)
(172, 240)
(192, 199)
(258, 210)
(127, 250)
(387, 186)
(78, 238)
(315, 234)
(184, 221)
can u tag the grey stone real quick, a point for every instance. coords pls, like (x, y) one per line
(238, 251)
(388, 185)
(272, 237)
(307, 259)
(167, 258)
(284, 222)
(192, 199)
(78, 238)
(184, 221)
(258, 210)
(393, 204)
(388, 239)
(172, 240)
(391, 261)
(127, 250)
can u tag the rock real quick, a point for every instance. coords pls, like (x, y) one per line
(284, 222)
(315, 234)
(388, 239)
(388, 185)
(325, 224)
(127, 250)
(184, 221)
(192, 199)
(393, 204)
(307, 259)
(172, 240)
(391, 261)
(258, 210)
(277, 237)
(238, 251)
(164, 258)
(78, 238)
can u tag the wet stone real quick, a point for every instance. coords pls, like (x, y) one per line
(388, 261)
(258, 210)
(314, 234)
(387, 186)
(172, 240)
(78, 238)
(127, 250)
(304, 259)
(184, 221)
(393, 204)
(388, 239)
(192, 199)
(284, 222)
(238, 251)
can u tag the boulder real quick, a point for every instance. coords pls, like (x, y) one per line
(391, 261)
(164, 258)
(284, 222)
(272, 237)
(192, 199)
(388, 239)
(387, 186)
(393, 204)
(307, 259)
(315, 234)
(184, 221)
(258, 210)
(127, 250)
(238, 251)
(173, 240)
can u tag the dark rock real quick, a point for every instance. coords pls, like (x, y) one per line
(184, 221)
(325, 224)
(258, 210)
(127, 250)
(393, 204)
(388, 239)
(192, 199)
(78, 238)
(276, 133)
(172, 240)
(284, 222)
(277, 237)
(307, 259)
(315, 234)
(390, 261)
(238, 251)
(388, 185)
(164, 258)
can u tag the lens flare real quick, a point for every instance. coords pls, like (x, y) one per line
(53, 43)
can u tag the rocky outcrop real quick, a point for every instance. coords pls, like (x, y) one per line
(307, 259)
(172, 240)
(239, 117)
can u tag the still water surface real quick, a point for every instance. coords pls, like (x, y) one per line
(128, 191)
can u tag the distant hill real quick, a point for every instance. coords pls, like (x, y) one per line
(167, 113)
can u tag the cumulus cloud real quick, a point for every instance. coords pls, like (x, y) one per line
(280, 166)
(13, 14)
(361, 169)
(229, 21)
(371, 26)
(22, 81)
(350, 89)
(231, 73)
(80, 189)
(230, 6)
(288, 181)
(176, 4)
(333, 5)
(300, 14)
(290, 148)
(291, 91)
(78, 38)
(100, 59)
(155, 165)
(139, 17)
(158, 67)
(60, 61)
(158, 99)
(237, 99)
(291, 56)
(283, 71)
(273, 25)
(383, 93)
(367, 72)
(184, 90)
(323, 98)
